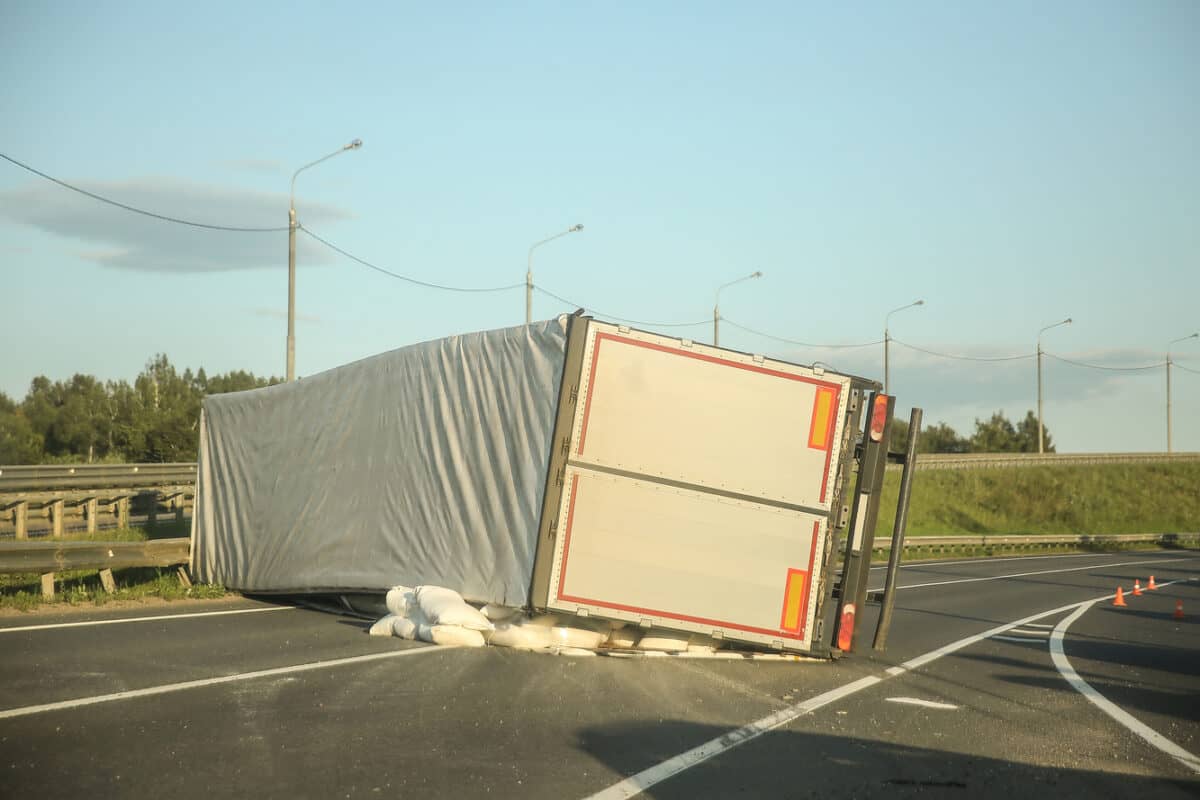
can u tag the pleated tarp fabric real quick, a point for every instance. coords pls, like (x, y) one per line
(423, 465)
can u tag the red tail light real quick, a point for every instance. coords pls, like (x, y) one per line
(846, 630)
(879, 417)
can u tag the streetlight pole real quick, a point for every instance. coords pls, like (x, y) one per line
(529, 269)
(1041, 429)
(887, 338)
(291, 334)
(717, 305)
(1173, 341)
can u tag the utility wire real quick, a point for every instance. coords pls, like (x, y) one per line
(600, 313)
(407, 279)
(730, 322)
(964, 358)
(1177, 365)
(141, 211)
(1107, 369)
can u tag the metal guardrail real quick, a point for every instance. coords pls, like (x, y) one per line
(993, 460)
(57, 556)
(56, 477)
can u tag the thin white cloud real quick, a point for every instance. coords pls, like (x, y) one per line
(125, 240)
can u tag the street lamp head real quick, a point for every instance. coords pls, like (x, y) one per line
(757, 274)
(919, 303)
(357, 143)
(575, 228)
(1067, 321)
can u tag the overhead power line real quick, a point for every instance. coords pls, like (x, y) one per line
(142, 211)
(1177, 365)
(964, 358)
(600, 313)
(1106, 369)
(405, 278)
(785, 340)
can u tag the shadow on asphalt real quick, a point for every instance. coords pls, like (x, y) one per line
(1182, 704)
(796, 764)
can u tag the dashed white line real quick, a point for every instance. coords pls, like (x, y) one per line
(1119, 714)
(25, 711)
(160, 617)
(916, 701)
(1026, 632)
(1019, 639)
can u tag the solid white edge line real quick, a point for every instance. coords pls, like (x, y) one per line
(1044, 632)
(54, 625)
(933, 562)
(1059, 656)
(636, 784)
(916, 701)
(1038, 572)
(639, 782)
(241, 676)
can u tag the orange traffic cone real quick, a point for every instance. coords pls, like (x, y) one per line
(1119, 600)
(1151, 585)
(1137, 588)
(1178, 609)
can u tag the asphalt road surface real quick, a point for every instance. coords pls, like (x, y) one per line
(1001, 679)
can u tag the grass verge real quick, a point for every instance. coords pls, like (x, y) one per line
(1097, 499)
(22, 591)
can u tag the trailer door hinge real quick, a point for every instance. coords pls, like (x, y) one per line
(574, 395)
(560, 476)
(566, 445)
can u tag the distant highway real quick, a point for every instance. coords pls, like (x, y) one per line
(972, 696)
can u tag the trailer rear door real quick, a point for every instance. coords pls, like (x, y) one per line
(695, 488)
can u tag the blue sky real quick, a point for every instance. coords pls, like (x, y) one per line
(1011, 164)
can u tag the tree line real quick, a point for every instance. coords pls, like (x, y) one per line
(85, 420)
(156, 419)
(995, 435)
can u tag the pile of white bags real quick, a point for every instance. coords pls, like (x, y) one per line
(441, 616)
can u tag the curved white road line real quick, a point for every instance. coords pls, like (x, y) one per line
(638, 783)
(1103, 703)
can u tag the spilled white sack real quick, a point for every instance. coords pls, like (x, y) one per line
(384, 626)
(442, 606)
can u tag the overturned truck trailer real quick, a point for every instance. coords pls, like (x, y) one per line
(572, 466)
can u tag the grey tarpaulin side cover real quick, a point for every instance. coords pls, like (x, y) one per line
(425, 464)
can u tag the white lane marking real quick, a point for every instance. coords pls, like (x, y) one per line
(1026, 632)
(1028, 574)
(636, 784)
(916, 701)
(241, 676)
(52, 626)
(933, 562)
(1019, 639)
(1103, 703)
(1040, 625)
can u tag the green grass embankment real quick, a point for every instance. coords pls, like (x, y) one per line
(1118, 498)
(22, 591)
